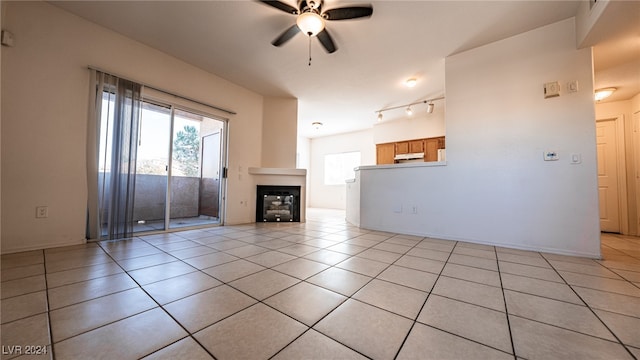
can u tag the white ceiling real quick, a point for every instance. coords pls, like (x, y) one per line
(402, 39)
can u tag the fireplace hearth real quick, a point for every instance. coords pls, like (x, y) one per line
(276, 203)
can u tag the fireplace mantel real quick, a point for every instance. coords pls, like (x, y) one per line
(277, 171)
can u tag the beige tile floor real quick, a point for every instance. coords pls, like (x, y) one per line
(320, 289)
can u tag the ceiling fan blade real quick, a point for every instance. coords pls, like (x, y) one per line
(327, 41)
(286, 35)
(282, 6)
(346, 13)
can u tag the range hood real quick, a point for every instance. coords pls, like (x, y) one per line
(411, 156)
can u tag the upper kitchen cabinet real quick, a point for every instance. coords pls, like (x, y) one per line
(402, 151)
(385, 153)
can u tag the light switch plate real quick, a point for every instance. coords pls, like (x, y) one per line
(551, 89)
(576, 158)
(6, 38)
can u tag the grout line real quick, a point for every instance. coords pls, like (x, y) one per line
(506, 309)
(345, 300)
(377, 242)
(46, 290)
(406, 337)
(163, 309)
(592, 311)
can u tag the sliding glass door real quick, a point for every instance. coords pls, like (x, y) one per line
(149, 206)
(195, 170)
(180, 159)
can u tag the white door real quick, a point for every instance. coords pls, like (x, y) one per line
(608, 176)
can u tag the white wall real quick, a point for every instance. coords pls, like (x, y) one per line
(303, 160)
(586, 20)
(45, 94)
(420, 125)
(2, 6)
(334, 196)
(496, 188)
(279, 129)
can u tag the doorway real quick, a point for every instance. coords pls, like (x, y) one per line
(611, 175)
(181, 154)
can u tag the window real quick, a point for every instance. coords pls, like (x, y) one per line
(339, 167)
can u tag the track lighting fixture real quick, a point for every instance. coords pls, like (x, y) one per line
(408, 109)
(430, 108)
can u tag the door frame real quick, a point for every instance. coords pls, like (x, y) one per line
(621, 172)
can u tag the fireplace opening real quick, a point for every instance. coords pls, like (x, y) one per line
(277, 203)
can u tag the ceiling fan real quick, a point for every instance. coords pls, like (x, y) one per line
(311, 20)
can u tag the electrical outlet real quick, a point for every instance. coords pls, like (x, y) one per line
(42, 212)
(414, 209)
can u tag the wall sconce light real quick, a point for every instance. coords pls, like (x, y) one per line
(316, 125)
(602, 94)
(407, 107)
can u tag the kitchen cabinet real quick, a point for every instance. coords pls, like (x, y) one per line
(385, 153)
(431, 153)
(402, 147)
(416, 146)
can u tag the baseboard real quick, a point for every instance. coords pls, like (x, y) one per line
(41, 247)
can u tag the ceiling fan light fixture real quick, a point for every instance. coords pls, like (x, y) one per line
(310, 23)
(601, 94)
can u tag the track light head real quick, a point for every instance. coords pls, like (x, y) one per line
(409, 111)
(430, 108)
(379, 116)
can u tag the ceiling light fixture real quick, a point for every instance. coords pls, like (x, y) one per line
(409, 111)
(602, 94)
(430, 108)
(316, 125)
(310, 23)
(429, 102)
(410, 82)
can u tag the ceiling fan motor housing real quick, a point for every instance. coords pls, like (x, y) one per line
(311, 5)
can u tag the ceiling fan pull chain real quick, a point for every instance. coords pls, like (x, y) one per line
(309, 50)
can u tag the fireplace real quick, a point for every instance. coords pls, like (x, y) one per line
(277, 203)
